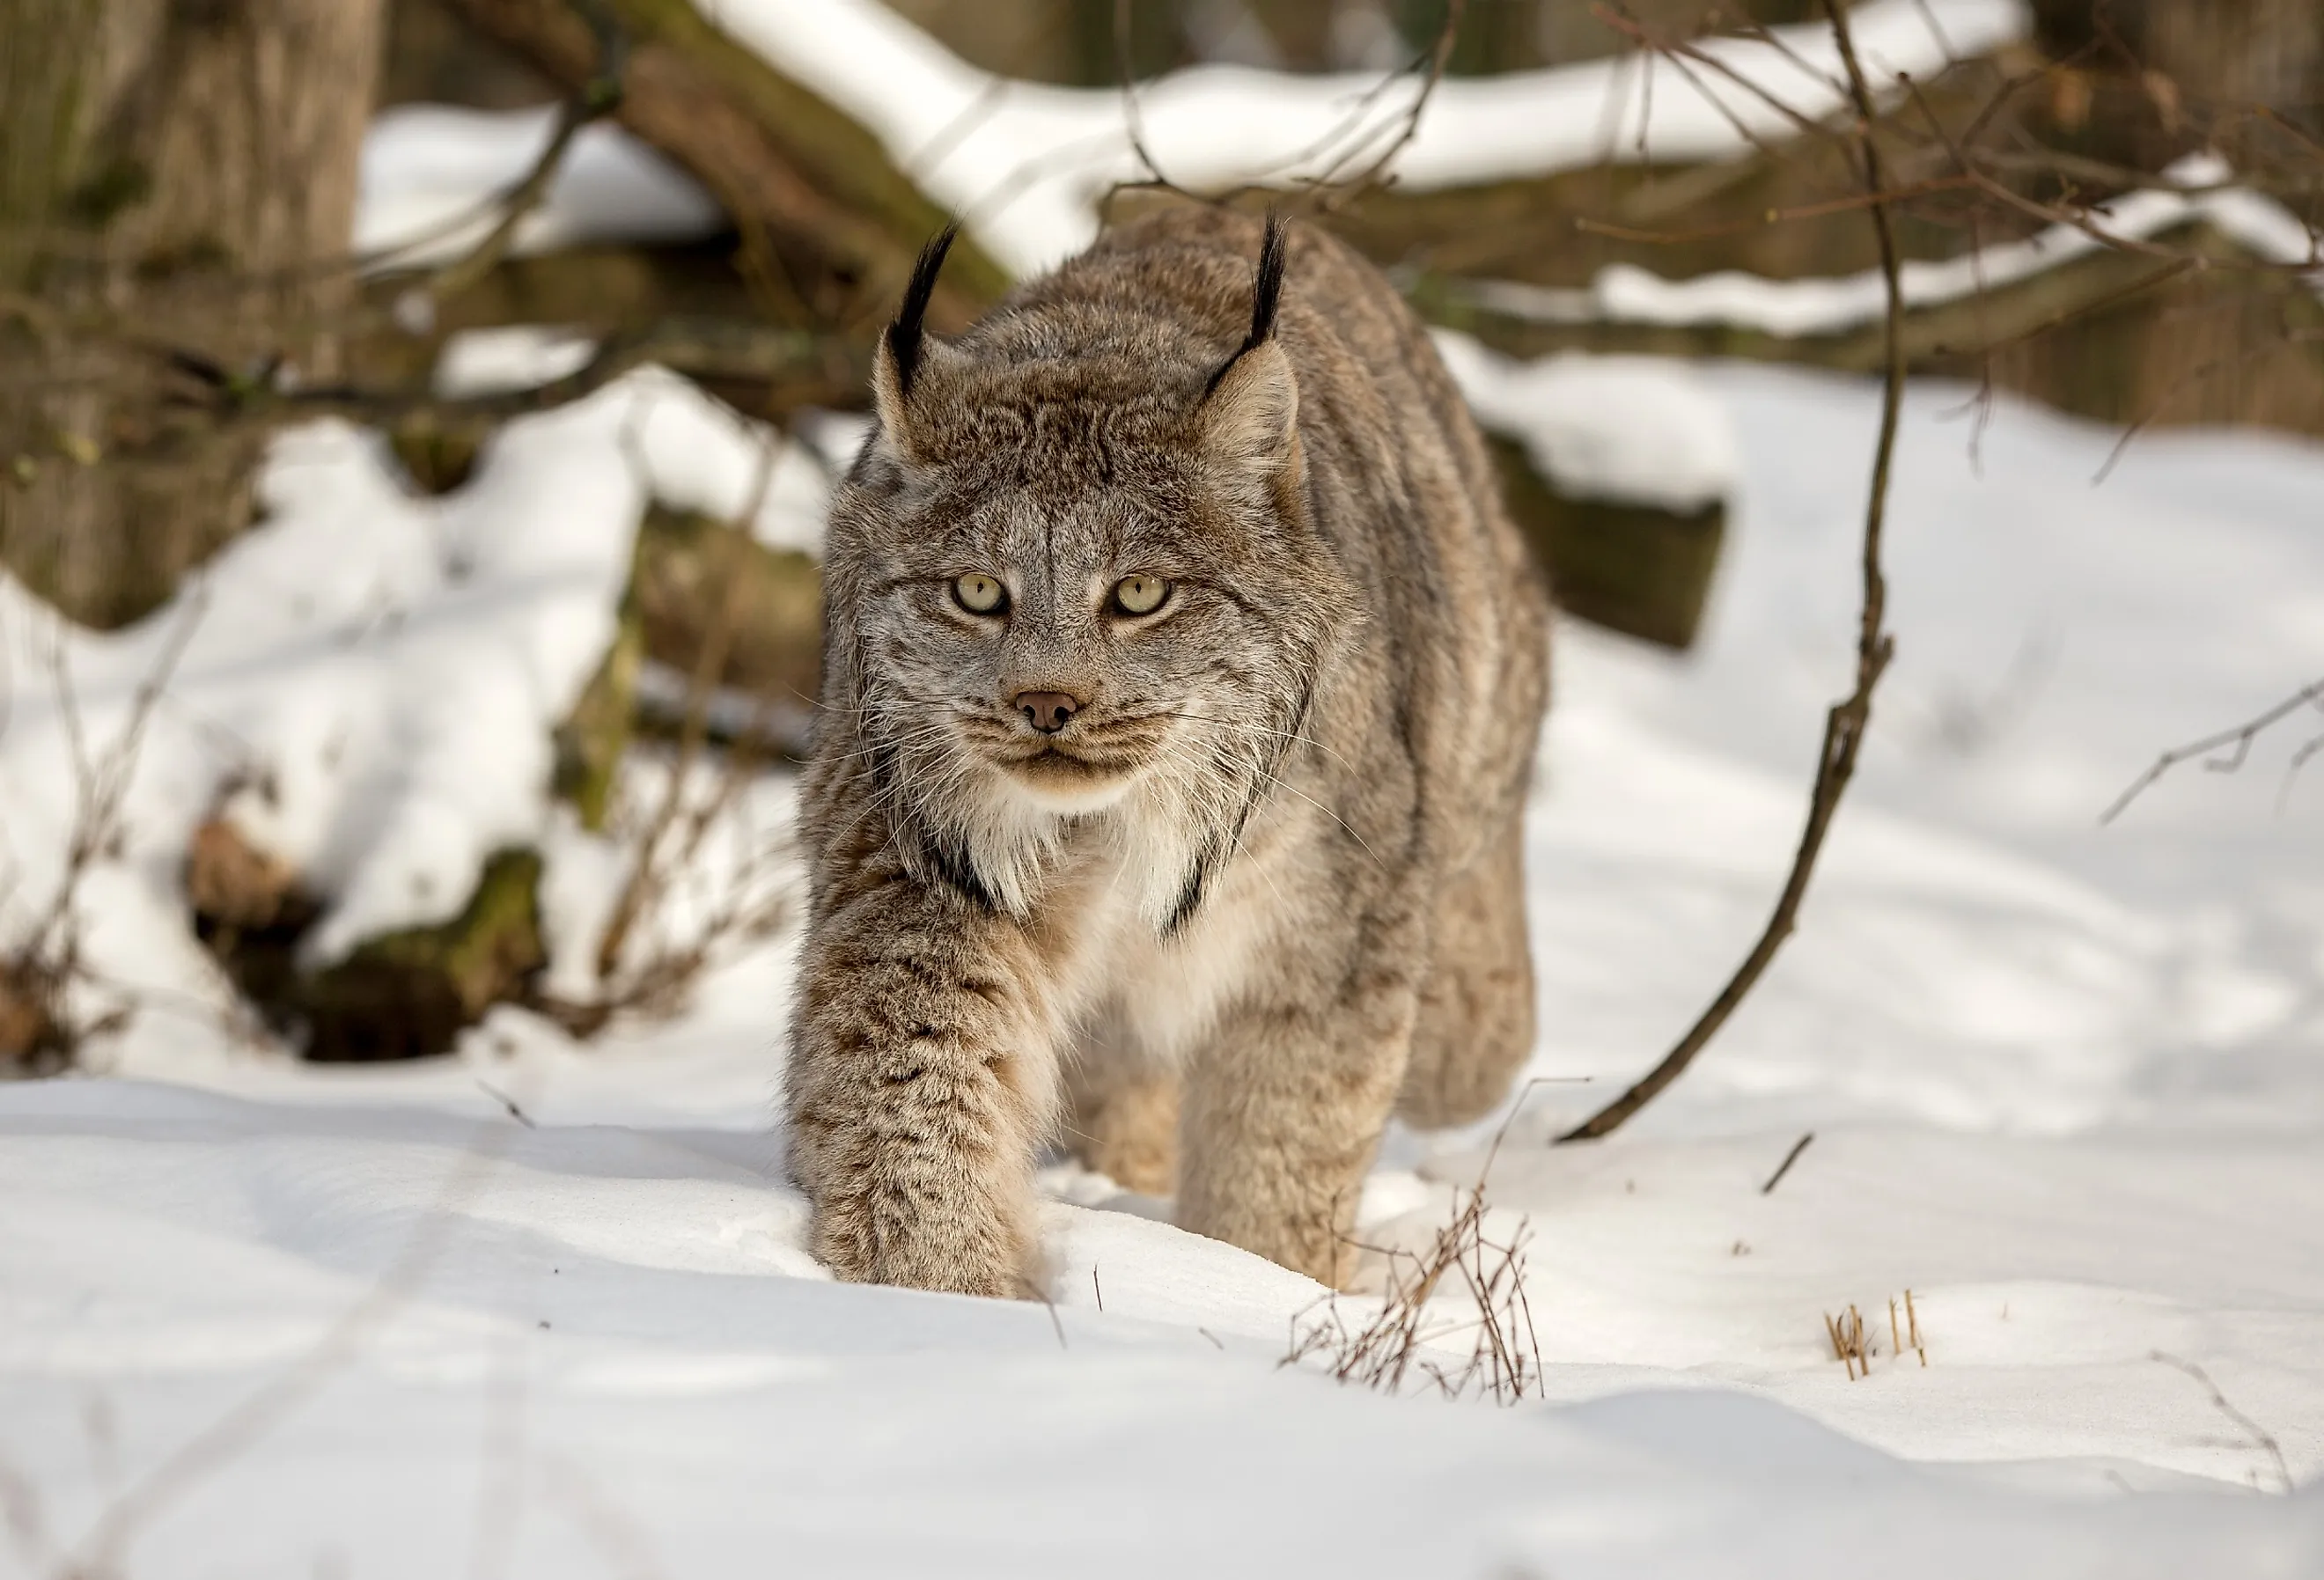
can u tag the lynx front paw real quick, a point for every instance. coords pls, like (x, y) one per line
(952, 1253)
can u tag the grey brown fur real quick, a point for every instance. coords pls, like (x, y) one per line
(1263, 889)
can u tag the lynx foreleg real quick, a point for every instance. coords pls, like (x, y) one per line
(922, 1079)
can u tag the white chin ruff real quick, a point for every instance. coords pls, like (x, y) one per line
(1020, 831)
(1038, 800)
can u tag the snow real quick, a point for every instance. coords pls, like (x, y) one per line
(2066, 1082)
(694, 453)
(1634, 429)
(431, 174)
(1626, 293)
(509, 357)
(1026, 163)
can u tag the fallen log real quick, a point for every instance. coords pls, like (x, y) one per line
(412, 991)
(2114, 336)
(401, 995)
(694, 573)
(832, 223)
(1640, 569)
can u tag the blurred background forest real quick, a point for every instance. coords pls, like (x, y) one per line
(196, 254)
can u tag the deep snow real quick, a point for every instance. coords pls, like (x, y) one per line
(2067, 1085)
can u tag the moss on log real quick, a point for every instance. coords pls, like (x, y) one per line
(590, 742)
(412, 992)
(399, 995)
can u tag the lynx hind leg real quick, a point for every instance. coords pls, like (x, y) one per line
(1122, 1122)
(1282, 1120)
(1476, 1020)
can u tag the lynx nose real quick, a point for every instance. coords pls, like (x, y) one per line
(1047, 711)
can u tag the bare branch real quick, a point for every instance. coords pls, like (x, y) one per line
(1438, 56)
(1957, 184)
(1845, 723)
(707, 348)
(597, 98)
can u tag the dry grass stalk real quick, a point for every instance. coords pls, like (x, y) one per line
(694, 905)
(1850, 1348)
(1402, 1338)
(1846, 1334)
(51, 1000)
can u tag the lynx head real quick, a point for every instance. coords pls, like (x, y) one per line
(1073, 580)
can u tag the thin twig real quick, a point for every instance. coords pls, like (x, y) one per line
(1784, 1167)
(1845, 723)
(1437, 58)
(595, 102)
(1133, 124)
(1677, 51)
(2260, 1437)
(2236, 742)
(648, 876)
(507, 1102)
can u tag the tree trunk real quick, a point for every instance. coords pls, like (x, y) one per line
(181, 173)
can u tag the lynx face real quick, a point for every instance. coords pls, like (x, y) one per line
(1086, 588)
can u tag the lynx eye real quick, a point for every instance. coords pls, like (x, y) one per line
(1140, 594)
(980, 594)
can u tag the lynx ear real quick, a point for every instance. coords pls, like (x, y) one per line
(906, 354)
(1250, 418)
(1250, 414)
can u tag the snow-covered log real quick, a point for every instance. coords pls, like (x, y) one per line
(802, 180)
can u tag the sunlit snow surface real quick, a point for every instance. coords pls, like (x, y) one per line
(2067, 1084)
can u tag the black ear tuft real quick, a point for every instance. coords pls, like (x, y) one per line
(1270, 285)
(1265, 297)
(911, 319)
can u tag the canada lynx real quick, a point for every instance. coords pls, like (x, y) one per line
(1178, 706)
